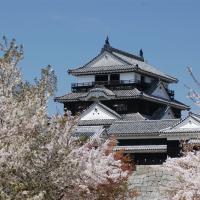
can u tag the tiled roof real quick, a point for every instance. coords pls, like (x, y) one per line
(88, 131)
(72, 96)
(129, 63)
(124, 94)
(132, 93)
(173, 129)
(133, 116)
(183, 132)
(121, 68)
(145, 127)
(123, 53)
(103, 89)
(142, 66)
(118, 94)
(96, 122)
(142, 149)
(127, 117)
(95, 92)
(103, 69)
(172, 102)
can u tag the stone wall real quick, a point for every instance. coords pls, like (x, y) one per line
(149, 180)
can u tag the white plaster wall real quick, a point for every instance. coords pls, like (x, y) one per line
(85, 78)
(98, 113)
(189, 124)
(168, 115)
(147, 79)
(160, 92)
(127, 76)
(106, 60)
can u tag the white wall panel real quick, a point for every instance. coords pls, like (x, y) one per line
(85, 78)
(127, 76)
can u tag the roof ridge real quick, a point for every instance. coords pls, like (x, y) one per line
(133, 116)
(120, 58)
(134, 113)
(126, 53)
(108, 109)
(147, 121)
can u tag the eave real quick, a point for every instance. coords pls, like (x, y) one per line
(120, 69)
(142, 149)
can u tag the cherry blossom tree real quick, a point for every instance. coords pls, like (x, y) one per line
(186, 169)
(39, 157)
(187, 172)
(104, 173)
(193, 92)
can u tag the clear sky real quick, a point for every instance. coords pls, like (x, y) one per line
(66, 34)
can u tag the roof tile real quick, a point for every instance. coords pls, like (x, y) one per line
(145, 127)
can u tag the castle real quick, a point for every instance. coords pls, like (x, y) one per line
(118, 93)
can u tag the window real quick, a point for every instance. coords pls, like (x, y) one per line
(114, 77)
(101, 78)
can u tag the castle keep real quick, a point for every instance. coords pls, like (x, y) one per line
(118, 93)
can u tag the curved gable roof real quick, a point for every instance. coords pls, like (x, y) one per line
(114, 60)
(188, 125)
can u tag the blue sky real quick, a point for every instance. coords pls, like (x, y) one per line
(67, 34)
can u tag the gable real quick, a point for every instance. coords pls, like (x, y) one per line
(106, 59)
(94, 95)
(188, 123)
(97, 112)
(99, 93)
(168, 114)
(160, 91)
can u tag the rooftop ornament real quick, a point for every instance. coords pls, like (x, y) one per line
(106, 45)
(141, 53)
(107, 41)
